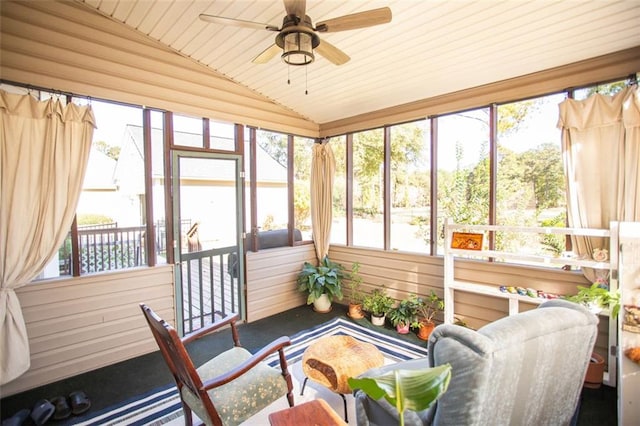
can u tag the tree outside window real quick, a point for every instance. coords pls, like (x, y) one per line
(410, 187)
(368, 189)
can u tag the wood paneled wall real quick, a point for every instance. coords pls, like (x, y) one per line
(271, 280)
(76, 325)
(63, 46)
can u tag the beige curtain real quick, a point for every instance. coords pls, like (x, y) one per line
(631, 120)
(601, 151)
(44, 149)
(323, 167)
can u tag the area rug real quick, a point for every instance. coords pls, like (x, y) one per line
(162, 406)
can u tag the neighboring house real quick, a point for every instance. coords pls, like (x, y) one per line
(99, 190)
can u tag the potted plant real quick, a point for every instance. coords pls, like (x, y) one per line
(596, 298)
(427, 309)
(355, 293)
(405, 315)
(406, 389)
(377, 303)
(322, 282)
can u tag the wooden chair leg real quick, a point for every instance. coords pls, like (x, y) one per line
(188, 419)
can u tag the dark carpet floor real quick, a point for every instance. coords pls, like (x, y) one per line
(114, 384)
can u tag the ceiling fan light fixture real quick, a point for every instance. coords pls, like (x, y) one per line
(297, 48)
(297, 41)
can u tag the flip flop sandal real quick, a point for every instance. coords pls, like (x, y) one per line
(80, 402)
(17, 419)
(42, 412)
(63, 410)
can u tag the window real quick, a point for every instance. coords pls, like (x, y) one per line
(530, 177)
(463, 169)
(187, 131)
(410, 187)
(302, 156)
(222, 136)
(368, 184)
(272, 187)
(339, 225)
(111, 210)
(158, 184)
(605, 89)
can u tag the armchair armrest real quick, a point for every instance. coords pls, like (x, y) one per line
(277, 345)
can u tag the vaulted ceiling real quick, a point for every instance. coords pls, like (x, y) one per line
(430, 47)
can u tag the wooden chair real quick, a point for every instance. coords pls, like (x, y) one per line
(230, 387)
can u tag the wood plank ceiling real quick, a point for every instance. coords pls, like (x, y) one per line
(431, 47)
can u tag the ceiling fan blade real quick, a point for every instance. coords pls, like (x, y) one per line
(268, 54)
(354, 21)
(332, 53)
(296, 7)
(237, 22)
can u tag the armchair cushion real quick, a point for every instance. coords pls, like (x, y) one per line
(238, 400)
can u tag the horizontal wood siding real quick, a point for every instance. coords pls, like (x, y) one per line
(64, 46)
(401, 273)
(404, 273)
(603, 68)
(79, 324)
(271, 280)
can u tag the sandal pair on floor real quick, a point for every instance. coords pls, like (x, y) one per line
(58, 408)
(77, 403)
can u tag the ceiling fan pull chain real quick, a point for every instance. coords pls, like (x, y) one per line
(288, 74)
(306, 81)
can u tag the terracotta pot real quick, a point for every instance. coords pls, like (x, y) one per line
(595, 371)
(377, 320)
(402, 328)
(425, 330)
(322, 304)
(355, 311)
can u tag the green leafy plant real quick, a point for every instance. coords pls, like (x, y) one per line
(429, 306)
(354, 284)
(554, 243)
(406, 389)
(596, 297)
(378, 302)
(406, 312)
(326, 278)
(459, 321)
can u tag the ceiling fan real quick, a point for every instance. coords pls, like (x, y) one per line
(297, 38)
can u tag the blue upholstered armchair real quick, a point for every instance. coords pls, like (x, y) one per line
(525, 369)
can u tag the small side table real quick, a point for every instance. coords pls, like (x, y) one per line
(312, 413)
(331, 360)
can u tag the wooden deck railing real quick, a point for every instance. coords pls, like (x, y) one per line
(209, 284)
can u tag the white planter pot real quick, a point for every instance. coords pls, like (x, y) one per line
(322, 304)
(377, 320)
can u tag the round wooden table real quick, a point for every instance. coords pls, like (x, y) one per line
(331, 360)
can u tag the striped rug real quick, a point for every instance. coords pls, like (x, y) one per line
(162, 406)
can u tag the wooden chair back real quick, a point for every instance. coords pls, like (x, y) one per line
(178, 360)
